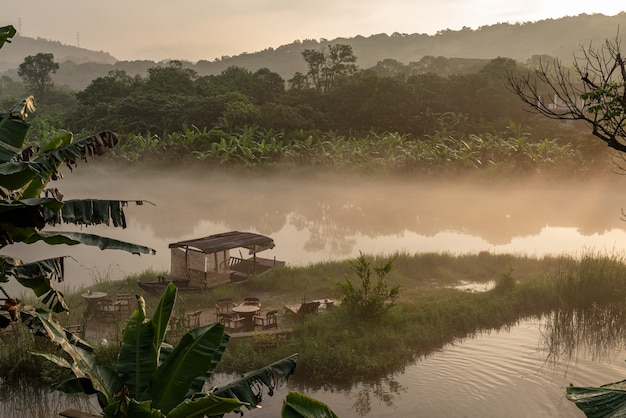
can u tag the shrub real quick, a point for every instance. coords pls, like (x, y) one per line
(369, 300)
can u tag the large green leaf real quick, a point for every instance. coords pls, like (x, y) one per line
(125, 406)
(13, 130)
(198, 383)
(19, 174)
(161, 317)
(39, 276)
(141, 343)
(103, 378)
(249, 387)
(607, 401)
(73, 238)
(90, 212)
(297, 405)
(209, 406)
(137, 360)
(6, 32)
(191, 358)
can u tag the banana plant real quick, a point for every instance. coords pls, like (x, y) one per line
(27, 205)
(154, 379)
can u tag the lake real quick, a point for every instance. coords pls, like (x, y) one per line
(321, 218)
(325, 217)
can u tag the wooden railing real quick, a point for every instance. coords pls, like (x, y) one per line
(241, 266)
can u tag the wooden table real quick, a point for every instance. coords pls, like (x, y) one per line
(327, 304)
(247, 311)
(92, 301)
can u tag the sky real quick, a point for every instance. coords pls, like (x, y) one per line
(195, 30)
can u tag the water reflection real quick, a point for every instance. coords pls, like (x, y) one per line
(323, 218)
(28, 401)
(598, 331)
(378, 395)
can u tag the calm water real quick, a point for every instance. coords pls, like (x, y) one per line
(497, 374)
(311, 220)
(330, 218)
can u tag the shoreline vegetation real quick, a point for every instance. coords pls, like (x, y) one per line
(434, 309)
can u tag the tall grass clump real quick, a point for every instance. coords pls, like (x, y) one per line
(17, 364)
(593, 277)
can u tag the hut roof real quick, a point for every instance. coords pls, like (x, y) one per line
(227, 241)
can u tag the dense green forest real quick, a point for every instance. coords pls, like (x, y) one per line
(333, 111)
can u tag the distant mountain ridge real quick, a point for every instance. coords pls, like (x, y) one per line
(22, 46)
(560, 38)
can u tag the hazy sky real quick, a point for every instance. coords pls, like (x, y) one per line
(208, 29)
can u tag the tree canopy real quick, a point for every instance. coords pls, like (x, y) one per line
(36, 70)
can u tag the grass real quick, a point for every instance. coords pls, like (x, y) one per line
(336, 348)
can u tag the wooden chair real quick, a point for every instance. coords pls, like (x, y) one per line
(105, 309)
(232, 323)
(223, 306)
(252, 301)
(270, 320)
(193, 319)
(123, 302)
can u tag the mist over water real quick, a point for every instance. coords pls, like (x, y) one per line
(323, 217)
(316, 218)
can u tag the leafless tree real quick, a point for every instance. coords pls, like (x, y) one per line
(593, 91)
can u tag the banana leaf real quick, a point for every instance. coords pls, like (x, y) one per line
(6, 32)
(39, 276)
(73, 238)
(606, 401)
(19, 174)
(208, 406)
(249, 387)
(141, 343)
(297, 405)
(161, 317)
(104, 379)
(90, 212)
(192, 357)
(13, 130)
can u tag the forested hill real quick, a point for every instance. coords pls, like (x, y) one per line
(22, 46)
(555, 37)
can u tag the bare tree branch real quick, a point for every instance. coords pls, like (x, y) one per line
(594, 91)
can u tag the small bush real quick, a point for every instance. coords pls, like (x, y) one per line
(369, 300)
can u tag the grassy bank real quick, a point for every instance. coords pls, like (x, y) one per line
(433, 310)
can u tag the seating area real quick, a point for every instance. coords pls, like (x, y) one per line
(310, 308)
(232, 323)
(270, 320)
(123, 303)
(307, 308)
(193, 319)
(223, 306)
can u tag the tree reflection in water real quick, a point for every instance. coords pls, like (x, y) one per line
(384, 392)
(597, 330)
